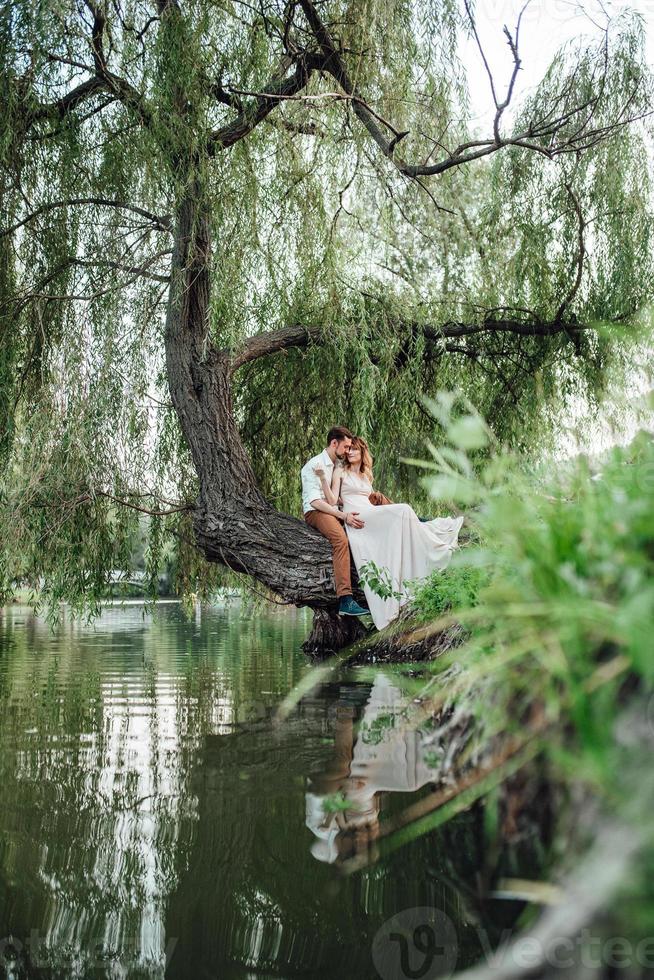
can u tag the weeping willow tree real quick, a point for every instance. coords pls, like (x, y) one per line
(228, 226)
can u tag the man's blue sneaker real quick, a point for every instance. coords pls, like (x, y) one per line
(348, 607)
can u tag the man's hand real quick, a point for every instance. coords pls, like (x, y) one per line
(378, 499)
(353, 520)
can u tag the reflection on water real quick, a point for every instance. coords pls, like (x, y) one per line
(387, 754)
(154, 819)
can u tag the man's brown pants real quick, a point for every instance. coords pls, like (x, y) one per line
(332, 529)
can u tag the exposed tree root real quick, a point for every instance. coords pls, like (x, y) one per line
(331, 633)
(404, 641)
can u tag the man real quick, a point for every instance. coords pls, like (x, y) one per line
(328, 519)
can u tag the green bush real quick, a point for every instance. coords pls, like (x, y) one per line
(455, 587)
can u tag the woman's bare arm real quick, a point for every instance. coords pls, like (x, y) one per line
(337, 479)
(326, 487)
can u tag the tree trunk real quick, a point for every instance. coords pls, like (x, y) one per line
(233, 523)
(331, 632)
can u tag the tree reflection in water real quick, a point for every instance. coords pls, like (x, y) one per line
(151, 806)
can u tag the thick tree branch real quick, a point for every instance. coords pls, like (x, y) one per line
(119, 88)
(535, 328)
(301, 335)
(104, 80)
(57, 130)
(271, 342)
(162, 221)
(60, 107)
(280, 87)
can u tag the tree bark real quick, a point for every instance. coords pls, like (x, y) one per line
(331, 632)
(233, 523)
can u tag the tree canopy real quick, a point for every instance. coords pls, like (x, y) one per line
(228, 225)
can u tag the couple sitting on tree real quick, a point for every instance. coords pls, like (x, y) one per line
(391, 537)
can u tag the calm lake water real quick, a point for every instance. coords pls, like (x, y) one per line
(156, 819)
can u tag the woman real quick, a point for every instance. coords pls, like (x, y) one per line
(392, 536)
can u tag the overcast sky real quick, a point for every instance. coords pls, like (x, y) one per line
(546, 24)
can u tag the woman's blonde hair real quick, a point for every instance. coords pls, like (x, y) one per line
(366, 457)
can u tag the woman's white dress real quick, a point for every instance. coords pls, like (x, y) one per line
(397, 542)
(385, 758)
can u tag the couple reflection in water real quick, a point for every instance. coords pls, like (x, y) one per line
(384, 754)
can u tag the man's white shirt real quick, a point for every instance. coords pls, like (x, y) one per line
(311, 484)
